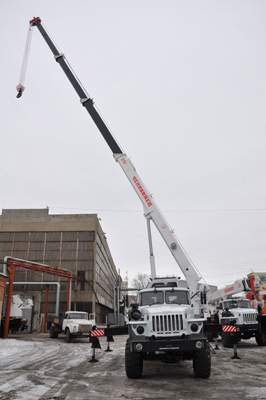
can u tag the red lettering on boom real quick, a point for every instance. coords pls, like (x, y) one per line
(145, 196)
(229, 289)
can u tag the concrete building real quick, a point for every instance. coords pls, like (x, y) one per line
(73, 242)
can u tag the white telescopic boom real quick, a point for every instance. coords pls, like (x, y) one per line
(227, 291)
(153, 212)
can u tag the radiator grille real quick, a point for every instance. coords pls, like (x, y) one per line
(251, 318)
(167, 324)
(84, 328)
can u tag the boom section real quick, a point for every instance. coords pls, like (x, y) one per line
(151, 209)
(86, 101)
(241, 285)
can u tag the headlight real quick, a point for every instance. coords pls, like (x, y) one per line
(138, 346)
(199, 344)
(140, 329)
(194, 327)
(135, 314)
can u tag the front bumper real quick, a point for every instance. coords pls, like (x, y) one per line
(247, 328)
(168, 344)
(79, 334)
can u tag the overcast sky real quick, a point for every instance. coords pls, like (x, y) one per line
(182, 86)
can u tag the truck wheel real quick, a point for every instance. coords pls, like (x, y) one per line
(260, 339)
(52, 332)
(202, 363)
(68, 336)
(133, 363)
(209, 336)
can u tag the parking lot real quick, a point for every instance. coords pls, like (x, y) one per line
(33, 366)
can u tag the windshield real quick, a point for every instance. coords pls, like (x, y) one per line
(237, 304)
(244, 304)
(171, 297)
(77, 316)
(230, 304)
(176, 297)
(149, 298)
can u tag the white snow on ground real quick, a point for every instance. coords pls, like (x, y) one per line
(36, 378)
(259, 393)
(28, 390)
(38, 368)
(35, 349)
(32, 384)
(8, 347)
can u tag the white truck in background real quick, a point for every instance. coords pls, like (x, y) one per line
(73, 324)
(234, 311)
(16, 321)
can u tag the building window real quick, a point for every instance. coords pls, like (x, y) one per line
(81, 284)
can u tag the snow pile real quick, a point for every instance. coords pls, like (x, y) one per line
(8, 347)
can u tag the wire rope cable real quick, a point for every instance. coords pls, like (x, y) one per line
(20, 87)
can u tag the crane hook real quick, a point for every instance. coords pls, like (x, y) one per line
(20, 88)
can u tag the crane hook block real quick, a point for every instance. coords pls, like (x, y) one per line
(20, 88)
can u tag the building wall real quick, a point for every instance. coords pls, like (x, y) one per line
(72, 242)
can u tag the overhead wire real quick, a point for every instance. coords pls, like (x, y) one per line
(169, 211)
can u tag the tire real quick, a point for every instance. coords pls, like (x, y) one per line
(52, 332)
(202, 363)
(260, 339)
(228, 340)
(133, 363)
(68, 336)
(209, 336)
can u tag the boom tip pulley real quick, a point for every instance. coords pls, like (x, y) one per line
(34, 20)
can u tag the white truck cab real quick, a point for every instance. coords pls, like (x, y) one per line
(77, 324)
(73, 324)
(240, 313)
(166, 311)
(163, 326)
(240, 309)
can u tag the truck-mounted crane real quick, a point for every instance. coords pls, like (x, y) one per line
(167, 323)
